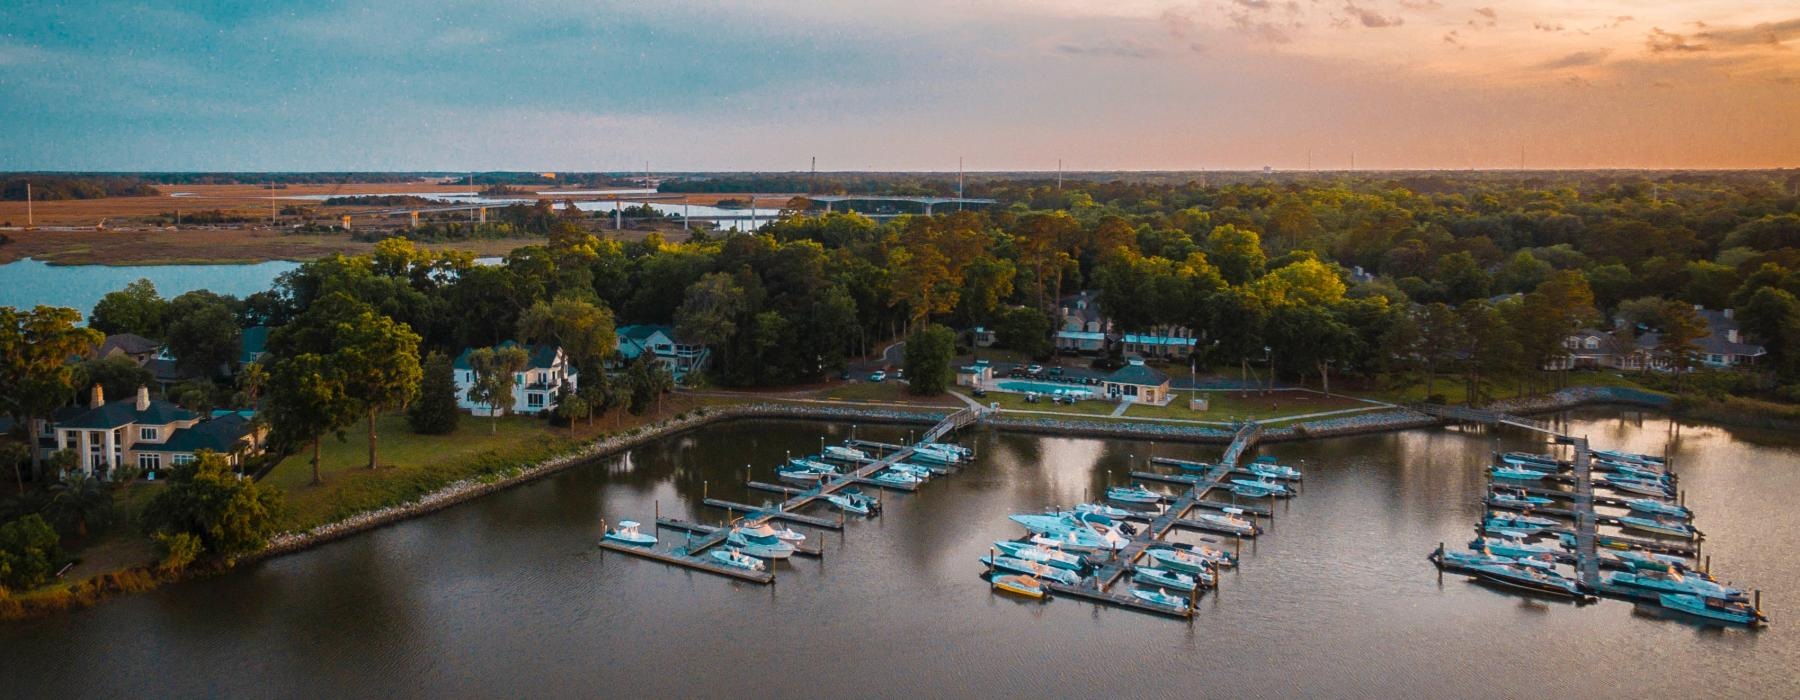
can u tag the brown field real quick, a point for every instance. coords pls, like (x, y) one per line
(70, 231)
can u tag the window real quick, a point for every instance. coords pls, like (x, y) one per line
(183, 459)
(149, 461)
(534, 400)
(1593, 343)
(147, 434)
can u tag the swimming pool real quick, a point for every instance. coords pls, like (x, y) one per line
(1023, 386)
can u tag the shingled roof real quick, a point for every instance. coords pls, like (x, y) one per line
(1138, 373)
(118, 414)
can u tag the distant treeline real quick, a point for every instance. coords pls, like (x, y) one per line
(49, 187)
(836, 183)
(212, 216)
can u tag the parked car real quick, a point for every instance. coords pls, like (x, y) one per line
(1056, 371)
(878, 376)
(978, 392)
(1034, 370)
(1016, 373)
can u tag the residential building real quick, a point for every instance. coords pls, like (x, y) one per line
(979, 374)
(1138, 382)
(1080, 326)
(1723, 347)
(136, 347)
(1588, 348)
(1155, 345)
(149, 434)
(534, 388)
(679, 356)
(253, 344)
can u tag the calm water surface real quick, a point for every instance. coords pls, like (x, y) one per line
(28, 283)
(508, 597)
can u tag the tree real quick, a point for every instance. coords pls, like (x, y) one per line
(929, 351)
(306, 401)
(135, 309)
(232, 516)
(1772, 317)
(203, 333)
(1440, 336)
(1237, 252)
(118, 376)
(35, 375)
(29, 552)
(583, 330)
(79, 503)
(434, 412)
(15, 455)
(1462, 277)
(1681, 327)
(1309, 338)
(710, 311)
(1024, 329)
(1491, 345)
(493, 387)
(378, 361)
(571, 407)
(251, 379)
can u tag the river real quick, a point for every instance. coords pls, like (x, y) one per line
(27, 283)
(506, 596)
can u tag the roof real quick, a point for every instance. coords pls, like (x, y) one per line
(165, 370)
(128, 343)
(220, 434)
(118, 414)
(1139, 374)
(1158, 339)
(1083, 305)
(1081, 335)
(542, 356)
(1718, 341)
(253, 343)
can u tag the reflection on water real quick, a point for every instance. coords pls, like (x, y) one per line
(508, 596)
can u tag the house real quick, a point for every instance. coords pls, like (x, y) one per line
(534, 388)
(253, 344)
(150, 434)
(983, 337)
(678, 356)
(132, 345)
(1169, 346)
(1137, 381)
(1080, 325)
(1724, 345)
(978, 374)
(1588, 348)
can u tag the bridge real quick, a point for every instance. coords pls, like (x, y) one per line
(831, 200)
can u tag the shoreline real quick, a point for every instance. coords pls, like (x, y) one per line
(100, 587)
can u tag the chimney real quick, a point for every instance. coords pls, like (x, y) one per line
(1728, 313)
(143, 398)
(97, 397)
(1731, 335)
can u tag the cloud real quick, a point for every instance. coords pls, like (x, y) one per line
(1454, 38)
(1547, 27)
(1660, 41)
(1763, 35)
(1423, 5)
(1484, 17)
(1576, 81)
(1370, 18)
(1262, 30)
(1259, 5)
(1110, 49)
(1577, 59)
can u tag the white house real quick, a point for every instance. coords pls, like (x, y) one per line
(678, 356)
(534, 389)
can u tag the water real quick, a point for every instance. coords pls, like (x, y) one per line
(27, 283)
(507, 596)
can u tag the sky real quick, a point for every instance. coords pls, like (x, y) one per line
(898, 85)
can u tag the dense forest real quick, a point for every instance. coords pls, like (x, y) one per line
(72, 186)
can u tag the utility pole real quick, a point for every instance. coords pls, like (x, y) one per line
(28, 218)
(959, 183)
(271, 202)
(1059, 175)
(812, 179)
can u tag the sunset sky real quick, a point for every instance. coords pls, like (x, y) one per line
(913, 84)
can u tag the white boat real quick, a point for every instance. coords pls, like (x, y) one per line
(1164, 577)
(1228, 522)
(1656, 507)
(784, 534)
(848, 504)
(627, 533)
(732, 557)
(1162, 599)
(1043, 555)
(1031, 568)
(1136, 493)
(763, 545)
(889, 476)
(848, 454)
(1103, 509)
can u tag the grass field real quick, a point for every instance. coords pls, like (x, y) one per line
(1016, 402)
(1229, 405)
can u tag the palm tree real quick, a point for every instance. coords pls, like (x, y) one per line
(80, 502)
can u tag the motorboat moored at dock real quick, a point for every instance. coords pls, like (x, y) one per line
(627, 533)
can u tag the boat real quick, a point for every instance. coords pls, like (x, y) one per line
(1732, 611)
(847, 454)
(783, 533)
(1193, 466)
(1523, 519)
(1527, 529)
(1229, 523)
(1250, 491)
(1515, 498)
(1656, 507)
(763, 545)
(1078, 541)
(1660, 526)
(1266, 466)
(1135, 493)
(1178, 560)
(1031, 568)
(929, 455)
(948, 448)
(1516, 473)
(812, 465)
(1674, 582)
(1647, 460)
(1632, 470)
(1164, 577)
(1019, 584)
(1638, 486)
(1265, 484)
(627, 533)
(922, 472)
(1103, 509)
(801, 474)
(1511, 544)
(847, 503)
(1651, 561)
(1043, 524)
(889, 476)
(732, 557)
(1538, 462)
(1472, 559)
(1162, 599)
(1043, 555)
(1532, 579)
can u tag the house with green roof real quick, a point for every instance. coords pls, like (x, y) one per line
(149, 434)
(534, 389)
(679, 356)
(1137, 382)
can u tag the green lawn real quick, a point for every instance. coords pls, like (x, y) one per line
(1228, 405)
(1411, 389)
(411, 464)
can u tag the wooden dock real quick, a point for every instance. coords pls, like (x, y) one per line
(800, 548)
(690, 555)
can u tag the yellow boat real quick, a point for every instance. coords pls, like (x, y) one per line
(1026, 586)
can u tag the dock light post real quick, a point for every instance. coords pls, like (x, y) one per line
(1269, 359)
